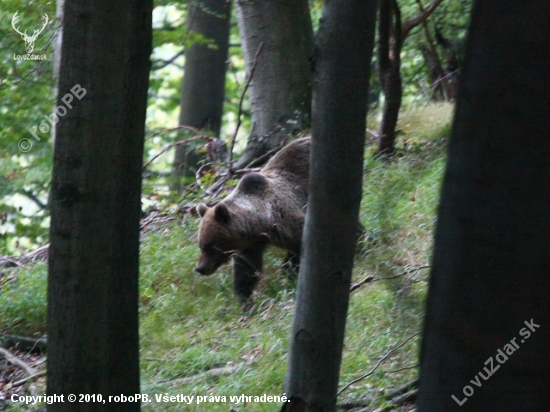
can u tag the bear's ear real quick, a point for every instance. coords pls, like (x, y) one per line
(202, 209)
(253, 183)
(221, 212)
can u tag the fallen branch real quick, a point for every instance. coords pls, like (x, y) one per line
(23, 343)
(383, 359)
(371, 279)
(408, 397)
(402, 389)
(226, 370)
(398, 396)
(28, 378)
(36, 255)
(355, 403)
(14, 360)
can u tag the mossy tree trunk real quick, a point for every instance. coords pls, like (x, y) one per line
(280, 91)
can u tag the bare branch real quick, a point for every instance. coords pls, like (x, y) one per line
(239, 113)
(371, 279)
(421, 17)
(163, 63)
(178, 143)
(28, 378)
(383, 359)
(14, 360)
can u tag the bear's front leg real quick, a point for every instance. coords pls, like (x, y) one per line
(247, 268)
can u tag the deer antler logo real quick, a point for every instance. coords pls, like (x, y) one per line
(29, 40)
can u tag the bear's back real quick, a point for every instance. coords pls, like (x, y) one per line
(291, 163)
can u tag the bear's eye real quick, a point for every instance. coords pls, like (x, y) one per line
(212, 249)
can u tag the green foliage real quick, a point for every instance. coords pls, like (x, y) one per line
(26, 96)
(23, 301)
(451, 17)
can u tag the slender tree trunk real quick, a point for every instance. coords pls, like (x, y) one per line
(93, 345)
(280, 92)
(344, 49)
(389, 62)
(391, 35)
(435, 72)
(203, 87)
(491, 260)
(433, 62)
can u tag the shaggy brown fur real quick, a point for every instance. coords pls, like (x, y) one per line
(266, 208)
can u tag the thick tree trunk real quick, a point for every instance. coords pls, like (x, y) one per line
(492, 252)
(280, 92)
(203, 87)
(342, 65)
(93, 342)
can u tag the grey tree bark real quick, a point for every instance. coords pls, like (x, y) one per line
(93, 342)
(280, 91)
(203, 88)
(490, 281)
(344, 46)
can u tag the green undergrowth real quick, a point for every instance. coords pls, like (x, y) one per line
(196, 341)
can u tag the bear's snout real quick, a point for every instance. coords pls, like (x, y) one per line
(201, 269)
(209, 261)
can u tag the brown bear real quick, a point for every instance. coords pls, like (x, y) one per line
(266, 208)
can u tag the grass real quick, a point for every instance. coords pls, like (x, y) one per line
(191, 324)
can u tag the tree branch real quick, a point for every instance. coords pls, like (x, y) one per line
(383, 359)
(421, 17)
(35, 199)
(23, 343)
(14, 360)
(161, 64)
(239, 113)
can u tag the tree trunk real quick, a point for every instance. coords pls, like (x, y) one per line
(342, 65)
(280, 92)
(57, 49)
(93, 342)
(491, 260)
(390, 39)
(440, 85)
(435, 72)
(203, 87)
(389, 62)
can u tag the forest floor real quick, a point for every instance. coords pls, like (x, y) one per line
(195, 339)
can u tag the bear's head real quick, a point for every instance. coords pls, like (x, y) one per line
(214, 238)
